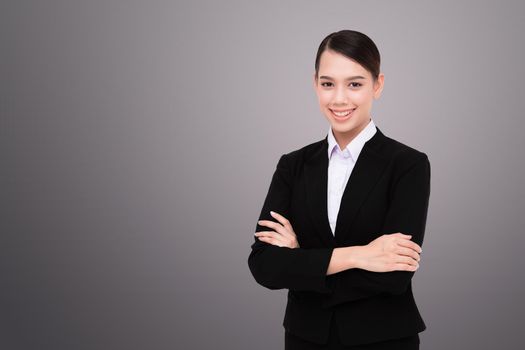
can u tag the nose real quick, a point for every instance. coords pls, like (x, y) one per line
(340, 97)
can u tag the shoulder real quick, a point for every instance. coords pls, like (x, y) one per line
(402, 151)
(401, 156)
(295, 158)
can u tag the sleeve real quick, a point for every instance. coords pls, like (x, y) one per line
(407, 213)
(281, 267)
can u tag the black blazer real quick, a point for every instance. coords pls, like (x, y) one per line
(387, 192)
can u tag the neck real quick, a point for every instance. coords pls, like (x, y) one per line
(343, 139)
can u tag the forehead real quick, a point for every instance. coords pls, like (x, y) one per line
(336, 65)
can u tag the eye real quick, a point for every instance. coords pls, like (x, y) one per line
(357, 84)
(323, 84)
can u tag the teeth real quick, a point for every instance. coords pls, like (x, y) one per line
(342, 114)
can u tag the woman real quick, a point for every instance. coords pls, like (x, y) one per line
(343, 221)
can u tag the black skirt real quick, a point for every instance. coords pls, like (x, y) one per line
(292, 342)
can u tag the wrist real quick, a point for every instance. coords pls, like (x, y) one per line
(353, 254)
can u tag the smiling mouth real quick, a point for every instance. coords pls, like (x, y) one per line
(342, 115)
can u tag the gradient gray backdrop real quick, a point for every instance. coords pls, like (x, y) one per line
(138, 140)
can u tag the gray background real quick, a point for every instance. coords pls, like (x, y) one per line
(138, 140)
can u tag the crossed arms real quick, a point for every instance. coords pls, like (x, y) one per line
(278, 267)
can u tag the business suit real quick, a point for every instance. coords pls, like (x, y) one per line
(387, 192)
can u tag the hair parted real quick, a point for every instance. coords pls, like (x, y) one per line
(354, 45)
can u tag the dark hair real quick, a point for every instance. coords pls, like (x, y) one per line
(354, 45)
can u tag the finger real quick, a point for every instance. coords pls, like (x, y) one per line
(278, 228)
(414, 245)
(267, 234)
(402, 235)
(406, 260)
(409, 252)
(277, 239)
(269, 240)
(284, 221)
(273, 239)
(271, 224)
(288, 229)
(405, 267)
(410, 244)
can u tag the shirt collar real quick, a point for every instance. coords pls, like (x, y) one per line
(356, 145)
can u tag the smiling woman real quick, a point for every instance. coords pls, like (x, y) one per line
(344, 219)
(346, 81)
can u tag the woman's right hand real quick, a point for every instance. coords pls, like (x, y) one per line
(389, 252)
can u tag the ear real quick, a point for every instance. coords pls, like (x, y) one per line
(378, 85)
(314, 81)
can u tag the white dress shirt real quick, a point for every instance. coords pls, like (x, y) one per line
(340, 166)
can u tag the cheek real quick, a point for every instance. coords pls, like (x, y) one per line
(324, 97)
(363, 98)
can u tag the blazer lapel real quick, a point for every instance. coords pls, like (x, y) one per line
(365, 174)
(367, 171)
(316, 178)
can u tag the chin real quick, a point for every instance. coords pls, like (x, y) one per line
(342, 127)
(349, 127)
(343, 130)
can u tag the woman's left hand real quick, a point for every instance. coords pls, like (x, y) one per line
(284, 235)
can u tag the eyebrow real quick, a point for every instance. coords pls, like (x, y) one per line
(349, 78)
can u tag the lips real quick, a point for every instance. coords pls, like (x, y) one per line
(342, 115)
